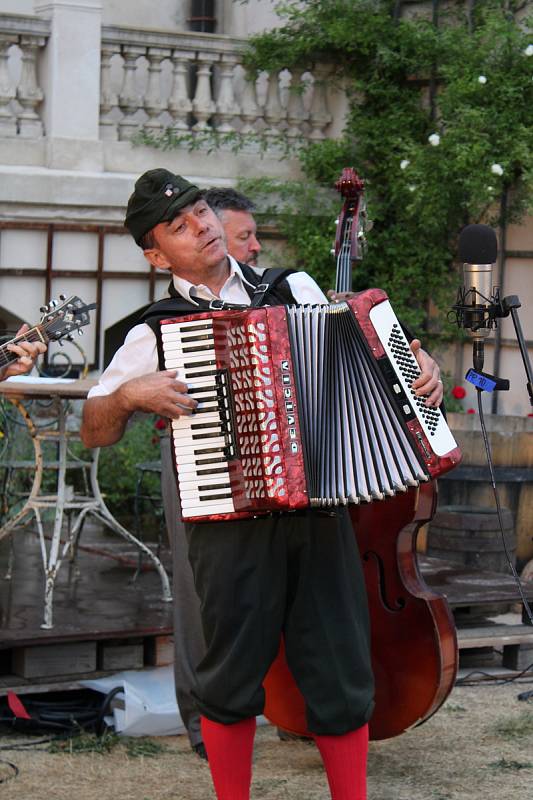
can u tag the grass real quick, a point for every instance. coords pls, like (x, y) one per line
(88, 743)
(516, 727)
(510, 765)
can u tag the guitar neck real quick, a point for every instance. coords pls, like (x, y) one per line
(35, 334)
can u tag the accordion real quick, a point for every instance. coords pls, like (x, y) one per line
(299, 406)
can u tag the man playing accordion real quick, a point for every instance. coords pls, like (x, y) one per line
(295, 574)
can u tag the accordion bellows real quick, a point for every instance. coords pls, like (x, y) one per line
(300, 406)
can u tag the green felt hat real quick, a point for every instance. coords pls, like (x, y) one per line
(157, 197)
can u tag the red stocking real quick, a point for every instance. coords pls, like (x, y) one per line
(229, 750)
(344, 758)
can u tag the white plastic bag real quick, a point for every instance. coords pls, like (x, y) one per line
(150, 707)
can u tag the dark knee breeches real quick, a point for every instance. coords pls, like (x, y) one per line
(293, 574)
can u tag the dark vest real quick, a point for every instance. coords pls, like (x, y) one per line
(269, 288)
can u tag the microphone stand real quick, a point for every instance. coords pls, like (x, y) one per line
(510, 305)
(477, 317)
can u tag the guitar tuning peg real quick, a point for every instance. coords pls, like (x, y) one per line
(332, 251)
(80, 332)
(61, 342)
(62, 297)
(337, 221)
(43, 309)
(52, 303)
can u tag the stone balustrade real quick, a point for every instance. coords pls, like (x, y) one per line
(191, 84)
(22, 39)
(194, 83)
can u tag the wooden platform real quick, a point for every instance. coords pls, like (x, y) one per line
(464, 587)
(105, 623)
(477, 599)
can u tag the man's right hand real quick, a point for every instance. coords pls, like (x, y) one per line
(105, 416)
(159, 393)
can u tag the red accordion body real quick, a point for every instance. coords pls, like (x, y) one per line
(248, 457)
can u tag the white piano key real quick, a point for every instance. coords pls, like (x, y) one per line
(179, 328)
(189, 480)
(216, 463)
(199, 436)
(197, 472)
(189, 491)
(187, 447)
(195, 419)
(217, 508)
(196, 455)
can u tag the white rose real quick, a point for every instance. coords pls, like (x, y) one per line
(482, 79)
(404, 163)
(434, 139)
(529, 50)
(497, 169)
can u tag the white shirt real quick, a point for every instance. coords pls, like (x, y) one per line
(138, 354)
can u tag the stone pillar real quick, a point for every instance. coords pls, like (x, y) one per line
(203, 104)
(8, 121)
(71, 82)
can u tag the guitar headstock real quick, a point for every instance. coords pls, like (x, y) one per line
(63, 318)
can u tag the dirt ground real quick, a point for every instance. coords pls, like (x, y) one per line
(478, 746)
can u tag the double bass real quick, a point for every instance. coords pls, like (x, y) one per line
(413, 639)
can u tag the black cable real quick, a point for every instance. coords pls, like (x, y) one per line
(518, 582)
(487, 677)
(32, 744)
(63, 717)
(100, 724)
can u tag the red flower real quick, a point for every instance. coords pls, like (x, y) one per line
(458, 392)
(160, 424)
(471, 411)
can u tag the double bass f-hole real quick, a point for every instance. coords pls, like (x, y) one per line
(393, 606)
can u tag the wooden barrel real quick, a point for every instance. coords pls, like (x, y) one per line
(471, 536)
(511, 441)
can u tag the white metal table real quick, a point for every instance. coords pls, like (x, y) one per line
(62, 391)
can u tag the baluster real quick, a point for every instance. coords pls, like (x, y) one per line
(29, 95)
(108, 98)
(296, 113)
(129, 99)
(274, 112)
(8, 121)
(153, 102)
(179, 104)
(319, 116)
(227, 107)
(249, 108)
(203, 105)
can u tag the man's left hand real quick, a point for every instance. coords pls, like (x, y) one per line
(428, 383)
(27, 353)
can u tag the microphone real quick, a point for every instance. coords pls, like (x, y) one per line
(477, 300)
